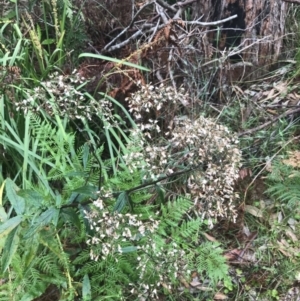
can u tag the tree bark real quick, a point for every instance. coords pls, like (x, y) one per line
(258, 28)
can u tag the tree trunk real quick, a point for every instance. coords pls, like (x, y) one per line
(257, 31)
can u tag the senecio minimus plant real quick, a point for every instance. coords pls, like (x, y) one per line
(167, 142)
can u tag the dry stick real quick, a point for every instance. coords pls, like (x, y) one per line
(267, 163)
(292, 1)
(126, 28)
(170, 68)
(258, 128)
(253, 236)
(162, 14)
(184, 3)
(155, 31)
(140, 32)
(166, 5)
(215, 23)
(235, 52)
(178, 14)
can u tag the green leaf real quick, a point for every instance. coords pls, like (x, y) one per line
(122, 200)
(16, 201)
(86, 288)
(128, 249)
(88, 190)
(48, 42)
(47, 238)
(107, 58)
(31, 251)
(9, 225)
(85, 155)
(1, 193)
(10, 247)
(47, 217)
(3, 215)
(33, 199)
(69, 214)
(161, 194)
(130, 203)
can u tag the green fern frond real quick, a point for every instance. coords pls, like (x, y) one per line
(188, 229)
(211, 262)
(48, 264)
(284, 184)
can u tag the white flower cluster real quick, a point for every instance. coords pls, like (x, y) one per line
(157, 264)
(59, 95)
(113, 231)
(206, 150)
(167, 264)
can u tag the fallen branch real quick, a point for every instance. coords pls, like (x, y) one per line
(215, 23)
(166, 5)
(128, 27)
(258, 128)
(107, 48)
(181, 3)
(292, 1)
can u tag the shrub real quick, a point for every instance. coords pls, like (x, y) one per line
(168, 144)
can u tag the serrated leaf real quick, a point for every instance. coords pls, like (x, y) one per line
(16, 201)
(70, 215)
(122, 200)
(161, 194)
(86, 288)
(9, 225)
(88, 190)
(130, 203)
(31, 252)
(85, 155)
(33, 198)
(47, 238)
(49, 216)
(10, 247)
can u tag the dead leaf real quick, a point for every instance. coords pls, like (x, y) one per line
(246, 231)
(220, 296)
(209, 237)
(195, 282)
(283, 250)
(291, 235)
(245, 172)
(232, 255)
(183, 281)
(279, 217)
(293, 159)
(253, 210)
(282, 87)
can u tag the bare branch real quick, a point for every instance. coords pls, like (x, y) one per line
(134, 36)
(204, 24)
(107, 48)
(178, 14)
(258, 128)
(292, 1)
(162, 14)
(166, 5)
(181, 3)
(126, 28)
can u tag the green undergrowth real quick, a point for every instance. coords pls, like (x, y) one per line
(105, 201)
